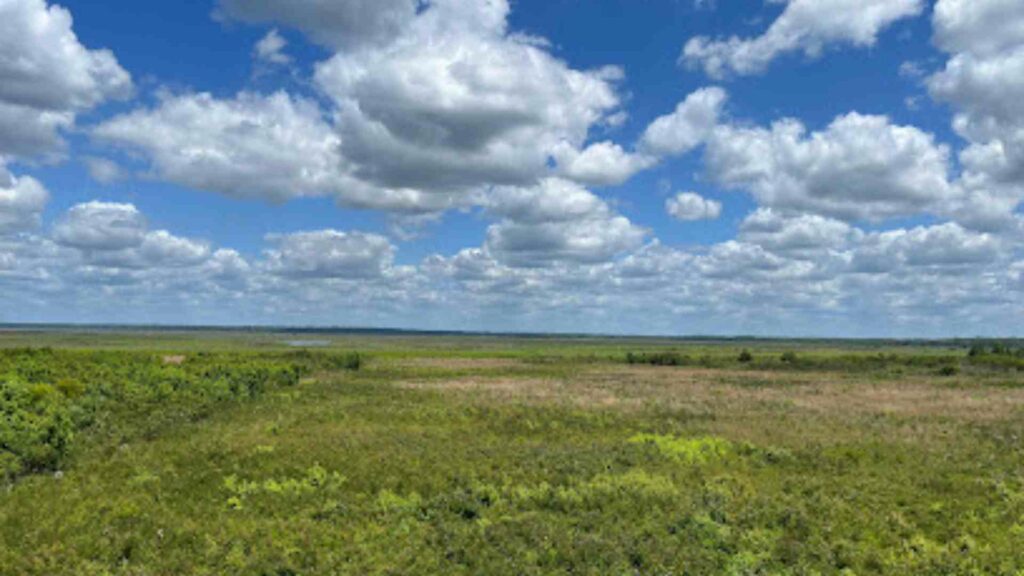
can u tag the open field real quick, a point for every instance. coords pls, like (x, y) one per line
(277, 453)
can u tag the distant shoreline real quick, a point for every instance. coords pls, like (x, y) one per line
(399, 332)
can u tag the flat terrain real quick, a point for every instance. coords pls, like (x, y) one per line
(275, 453)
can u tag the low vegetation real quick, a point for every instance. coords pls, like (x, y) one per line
(48, 397)
(444, 456)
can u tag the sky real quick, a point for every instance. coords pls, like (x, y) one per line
(836, 168)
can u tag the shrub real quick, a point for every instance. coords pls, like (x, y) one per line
(746, 357)
(687, 450)
(46, 395)
(352, 361)
(35, 428)
(70, 388)
(658, 359)
(789, 357)
(949, 371)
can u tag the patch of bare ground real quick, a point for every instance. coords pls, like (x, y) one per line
(831, 395)
(174, 360)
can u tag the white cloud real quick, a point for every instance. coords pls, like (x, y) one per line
(600, 164)
(805, 234)
(47, 76)
(418, 120)
(270, 49)
(808, 26)
(165, 249)
(743, 264)
(272, 147)
(858, 168)
(456, 103)
(945, 246)
(795, 274)
(101, 226)
(434, 105)
(114, 236)
(978, 26)
(31, 133)
(330, 254)
(688, 126)
(689, 206)
(553, 200)
(556, 221)
(227, 267)
(984, 81)
(22, 200)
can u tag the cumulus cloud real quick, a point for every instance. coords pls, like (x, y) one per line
(272, 147)
(101, 226)
(416, 121)
(984, 81)
(330, 254)
(977, 26)
(946, 246)
(804, 271)
(688, 126)
(804, 234)
(556, 221)
(457, 102)
(689, 206)
(601, 164)
(741, 263)
(29, 133)
(808, 26)
(859, 168)
(427, 106)
(165, 249)
(47, 76)
(117, 236)
(22, 200)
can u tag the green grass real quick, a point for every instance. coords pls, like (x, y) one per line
(554, 457)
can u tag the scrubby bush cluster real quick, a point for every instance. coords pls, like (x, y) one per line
(659, 358)
(48, 396)
(997, 355)
(939, 362)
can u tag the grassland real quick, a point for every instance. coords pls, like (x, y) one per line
(237, 453)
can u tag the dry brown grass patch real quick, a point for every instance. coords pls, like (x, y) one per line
(736, 392)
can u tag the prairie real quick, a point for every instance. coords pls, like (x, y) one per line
(240, 453)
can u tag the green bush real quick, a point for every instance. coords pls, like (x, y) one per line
(35, 428)
(745, 357)
(658, 359)
(46, 396)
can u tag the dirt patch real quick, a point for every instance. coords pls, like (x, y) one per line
(173, 360)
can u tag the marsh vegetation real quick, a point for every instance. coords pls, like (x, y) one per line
(228, 454)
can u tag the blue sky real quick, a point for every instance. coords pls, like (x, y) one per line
(833, 168)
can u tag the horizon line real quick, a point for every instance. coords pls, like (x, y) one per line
(384, 331)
